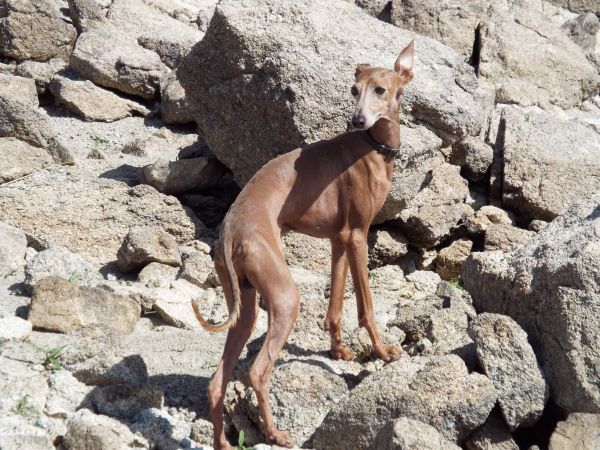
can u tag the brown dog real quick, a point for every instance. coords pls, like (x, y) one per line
(331, 189)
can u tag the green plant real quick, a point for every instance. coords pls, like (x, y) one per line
(15, 290)
(23, 408)
(52, 356)
(72, 277)
(99, 139)
(10, 273)
(241, 439)
(456, 283)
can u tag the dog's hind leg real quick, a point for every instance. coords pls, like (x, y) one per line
(339, 273)
(273, 280)
(237, 337)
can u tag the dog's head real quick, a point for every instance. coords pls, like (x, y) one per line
(377, 91)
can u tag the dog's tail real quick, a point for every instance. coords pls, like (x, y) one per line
(235, 291)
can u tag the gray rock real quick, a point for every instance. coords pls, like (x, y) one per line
(13, 245)
(376, 8)
(579, 5)
(548, 163)
(537, 225)
(436, 210)
(583, 30)
(14, 328)
(527, 57)
(508, 360)
(60, 262)
(40, 72)
(449, 260)
(505, 237)
(58, 305)
(91, 102)
(474, 156)
(183, 175)
(57, 219)
(409, 434)
(435, 390)
(66, 394)
(118, 63)
(20, 89)
(493, 435)
(489, 215)
(549, 286)
(18, 159)
(173, 304)
(453, 23)
(88, 14)
(87, 430)
(17, 434)
(156, 275)
(197, 266)
(294, 78)
(24, 389)
(124, 402)
(579, 432)
(174, 107)
(144, 245)
(160, 428)
(307, 252)
(386, 246)
(53, 36)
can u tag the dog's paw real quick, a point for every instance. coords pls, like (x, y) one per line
(389, 353)
(281, 438)
(342, 352)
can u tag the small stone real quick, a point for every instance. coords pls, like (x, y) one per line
(87, 430)
(144, 245)
(449, 260)
(505, 237)
(409, 434)
(493, 435)
(13, 245)
(14, 328)
(386, 247)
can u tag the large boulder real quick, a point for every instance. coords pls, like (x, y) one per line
(50, 210)
(438, 391)
(60, 305)
(290, 78)
(409, 434)
(53, 35)
(508, 360)
(530, 60)
(579, 432)
(550, 287)
(18, 159)
(547, 162)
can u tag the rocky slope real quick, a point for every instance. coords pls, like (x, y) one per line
(127, 128)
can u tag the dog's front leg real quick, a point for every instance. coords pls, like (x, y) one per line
(356, 247)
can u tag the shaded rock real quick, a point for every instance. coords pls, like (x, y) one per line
(505, 237)
(60, 262)
(493, 435)
(91, 102)
(528, 58)
(305, 393)
(14, 328)
(174, 107)
(579, 432)
(13, 245)
(583, 30)
(18, 158)
(117, 63)
(386, 246)
(294, 77)
(408, 434)
(550, 287)
(449, 260)
(537, 225)
(435, 390)
(40, 72)
(53, 36)
(175, 177)
(66, 394)
(508, 360)
(436, 210)
(16, 434)
(160, 429)
(144, 245)
(23, 386)
(548, 163)
(58, 305)
(474, 156)
(20, 89)
(86, 430)
(125, 402)
(453, 23)
(48, 208)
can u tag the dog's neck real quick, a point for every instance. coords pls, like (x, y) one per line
(386, 130)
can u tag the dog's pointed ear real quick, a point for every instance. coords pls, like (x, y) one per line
(406, 59)
(360, 68)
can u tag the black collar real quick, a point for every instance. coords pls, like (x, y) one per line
(383, 149)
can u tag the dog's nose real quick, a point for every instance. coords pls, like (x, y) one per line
(358, 122)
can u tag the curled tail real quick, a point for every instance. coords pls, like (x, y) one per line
(235, 291)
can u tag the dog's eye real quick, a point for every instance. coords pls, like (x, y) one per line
(354, 91)
(379, 90)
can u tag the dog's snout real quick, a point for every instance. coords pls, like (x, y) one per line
(358, 121)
